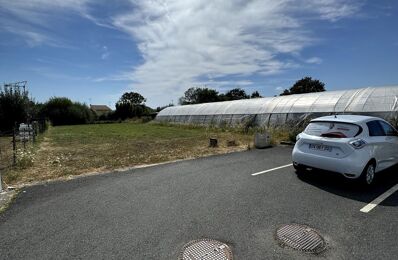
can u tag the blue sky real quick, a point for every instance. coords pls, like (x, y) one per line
(94, 50)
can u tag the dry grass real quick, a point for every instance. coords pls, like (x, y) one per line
(74, 150)
(5, 152)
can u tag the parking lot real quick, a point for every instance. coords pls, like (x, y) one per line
(239, 198)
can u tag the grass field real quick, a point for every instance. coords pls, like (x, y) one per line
(74, 150)
(5, 152)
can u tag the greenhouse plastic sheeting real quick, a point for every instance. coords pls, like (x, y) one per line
(377, 101)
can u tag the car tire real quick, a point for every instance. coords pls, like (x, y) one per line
(299, 170)
(368, 175)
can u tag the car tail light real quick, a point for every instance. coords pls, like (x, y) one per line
(358, 143)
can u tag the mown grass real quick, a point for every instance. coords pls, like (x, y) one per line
(79, 149)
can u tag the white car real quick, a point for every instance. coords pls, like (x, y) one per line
(355, 146)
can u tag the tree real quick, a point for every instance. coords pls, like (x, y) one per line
(133, 98)
(15, 107)
(198, 96)
(158, 109)
(62, 111)
(305, 85)
(255, 94)
(131, 104)
(236, 94)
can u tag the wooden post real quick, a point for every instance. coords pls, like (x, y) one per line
(213, 142)
(1, 183)
(34, 131)
(14, 148)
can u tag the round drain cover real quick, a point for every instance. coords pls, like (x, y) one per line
(206, 249)
(301, 238)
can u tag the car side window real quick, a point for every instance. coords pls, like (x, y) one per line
(388, 129)
(375, 129)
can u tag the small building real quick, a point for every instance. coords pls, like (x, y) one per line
(100, 110)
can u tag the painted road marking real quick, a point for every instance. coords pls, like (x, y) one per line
(379, 199)
(273, 169)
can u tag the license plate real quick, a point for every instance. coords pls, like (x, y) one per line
(320, 147)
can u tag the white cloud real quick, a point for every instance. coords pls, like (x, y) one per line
(38, 12)
(33, 37)
(48, 72)
(122, 76)
(33, 19)
(314, 60)
(333, 10)
(188, 41)
(20, 7)
(105, 53)
(196, 42)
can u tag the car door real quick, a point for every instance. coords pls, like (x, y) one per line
(391, 140)
(377, 140)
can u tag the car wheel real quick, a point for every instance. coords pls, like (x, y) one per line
(300, 170)
(368, 175)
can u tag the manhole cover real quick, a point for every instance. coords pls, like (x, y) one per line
(206, 249)
(301, 238)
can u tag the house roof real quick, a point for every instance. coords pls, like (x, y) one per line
(100, 108)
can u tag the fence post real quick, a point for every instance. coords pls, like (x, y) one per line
(1, 183)
(14, 148)
(33, 131)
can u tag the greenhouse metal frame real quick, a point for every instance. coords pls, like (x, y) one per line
(279, 110)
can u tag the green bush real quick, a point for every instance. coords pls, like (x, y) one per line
(14, 108)
(62, 111)
(128, 110)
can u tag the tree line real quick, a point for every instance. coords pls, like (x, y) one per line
(200, 95)
(17, 107)
(197, 95)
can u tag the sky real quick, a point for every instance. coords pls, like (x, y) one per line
(93, 51)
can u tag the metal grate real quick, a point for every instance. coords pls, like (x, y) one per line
(300, 237)
(206, 249)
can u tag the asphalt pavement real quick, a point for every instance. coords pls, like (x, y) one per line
(150, 213)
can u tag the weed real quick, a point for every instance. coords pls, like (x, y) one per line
(25, 158)
(78, 149)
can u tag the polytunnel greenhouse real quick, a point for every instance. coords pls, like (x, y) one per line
(375, 101)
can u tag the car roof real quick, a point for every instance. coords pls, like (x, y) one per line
(346, 118)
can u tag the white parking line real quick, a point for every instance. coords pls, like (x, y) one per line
(379, 199)
(273, 169)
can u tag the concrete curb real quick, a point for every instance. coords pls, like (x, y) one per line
(6, 198)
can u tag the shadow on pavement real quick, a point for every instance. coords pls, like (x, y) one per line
(337, 184)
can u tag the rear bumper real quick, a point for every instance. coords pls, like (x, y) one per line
(350, 167)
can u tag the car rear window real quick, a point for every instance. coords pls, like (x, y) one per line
(388, 129)
(332, 129)
(375, 129)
